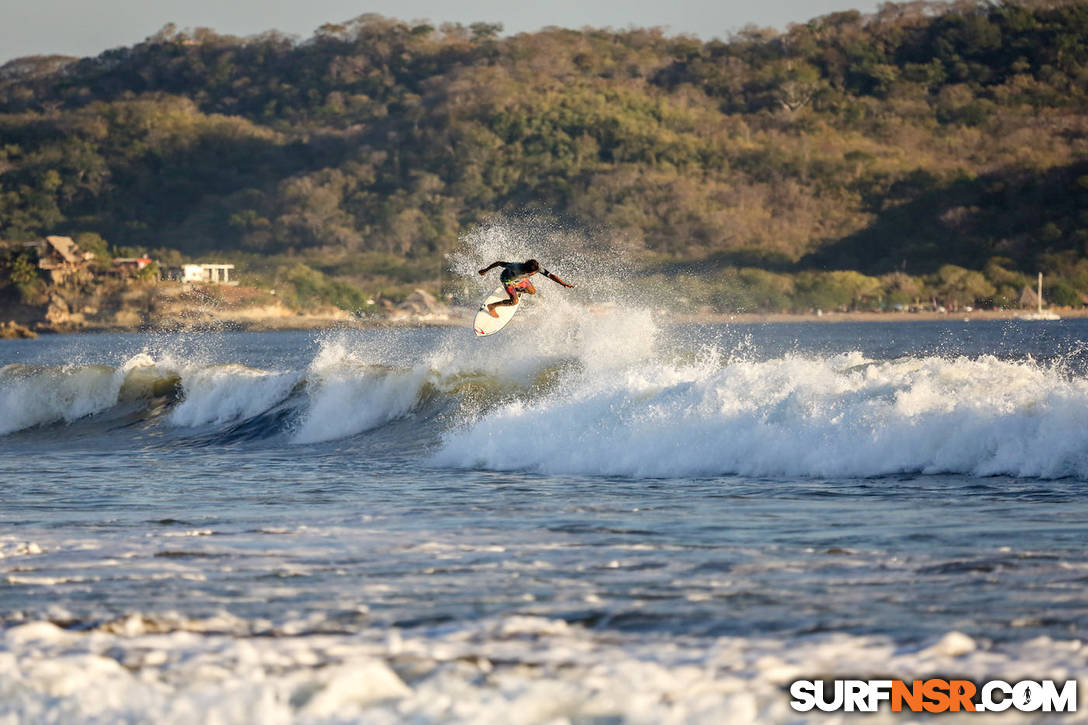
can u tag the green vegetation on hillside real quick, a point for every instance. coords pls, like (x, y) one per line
(933, 150)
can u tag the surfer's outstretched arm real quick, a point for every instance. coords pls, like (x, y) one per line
(492, 266)
(555, 278)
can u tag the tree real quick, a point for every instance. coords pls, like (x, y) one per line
(23, 271)
(959, 287)
(93, 243)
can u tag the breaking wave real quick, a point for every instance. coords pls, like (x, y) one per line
(608, 412)
(346, 395)
(222, 393)
(794, 416)
(581, 384)
(39, 395)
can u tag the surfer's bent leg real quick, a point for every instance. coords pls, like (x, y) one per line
(510, 290)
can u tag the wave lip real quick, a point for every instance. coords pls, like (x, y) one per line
(32, 396)
(222, 393)
(346, 395)
(842, 416)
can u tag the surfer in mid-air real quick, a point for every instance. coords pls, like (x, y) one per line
(515, 279)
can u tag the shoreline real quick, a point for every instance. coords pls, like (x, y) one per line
(786, 317)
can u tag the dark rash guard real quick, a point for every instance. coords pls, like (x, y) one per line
(515, 272)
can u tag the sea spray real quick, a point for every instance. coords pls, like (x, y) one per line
(594, 262)
(604, 321)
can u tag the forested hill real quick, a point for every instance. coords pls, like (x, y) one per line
(927, 134)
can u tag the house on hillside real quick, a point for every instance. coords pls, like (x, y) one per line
(130, 265)
(207, 273)
(62, 259)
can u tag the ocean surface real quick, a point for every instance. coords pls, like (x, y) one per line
(602, 521)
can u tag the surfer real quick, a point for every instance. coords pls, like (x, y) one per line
(515, 278)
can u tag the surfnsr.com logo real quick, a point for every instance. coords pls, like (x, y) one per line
(933, 695)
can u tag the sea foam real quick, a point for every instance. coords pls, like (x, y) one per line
(506, 669)
(795, 416)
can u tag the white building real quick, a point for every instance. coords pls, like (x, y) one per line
(213, 273)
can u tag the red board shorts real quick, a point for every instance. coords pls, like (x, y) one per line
(513, 288)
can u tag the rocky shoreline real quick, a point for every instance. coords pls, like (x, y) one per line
(135, 306)
(12, 330)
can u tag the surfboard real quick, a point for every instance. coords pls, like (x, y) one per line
(485, 324)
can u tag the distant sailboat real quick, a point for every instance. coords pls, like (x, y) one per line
(1040, 315)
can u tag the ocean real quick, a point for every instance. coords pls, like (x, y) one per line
(602, 519)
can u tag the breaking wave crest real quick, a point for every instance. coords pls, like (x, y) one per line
(222, 393)
(793, 416)
(347, 395)
(627, 414)
(37, 395)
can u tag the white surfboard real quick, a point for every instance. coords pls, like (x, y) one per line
(485, 324)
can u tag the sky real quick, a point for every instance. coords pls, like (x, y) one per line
(88, 27)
